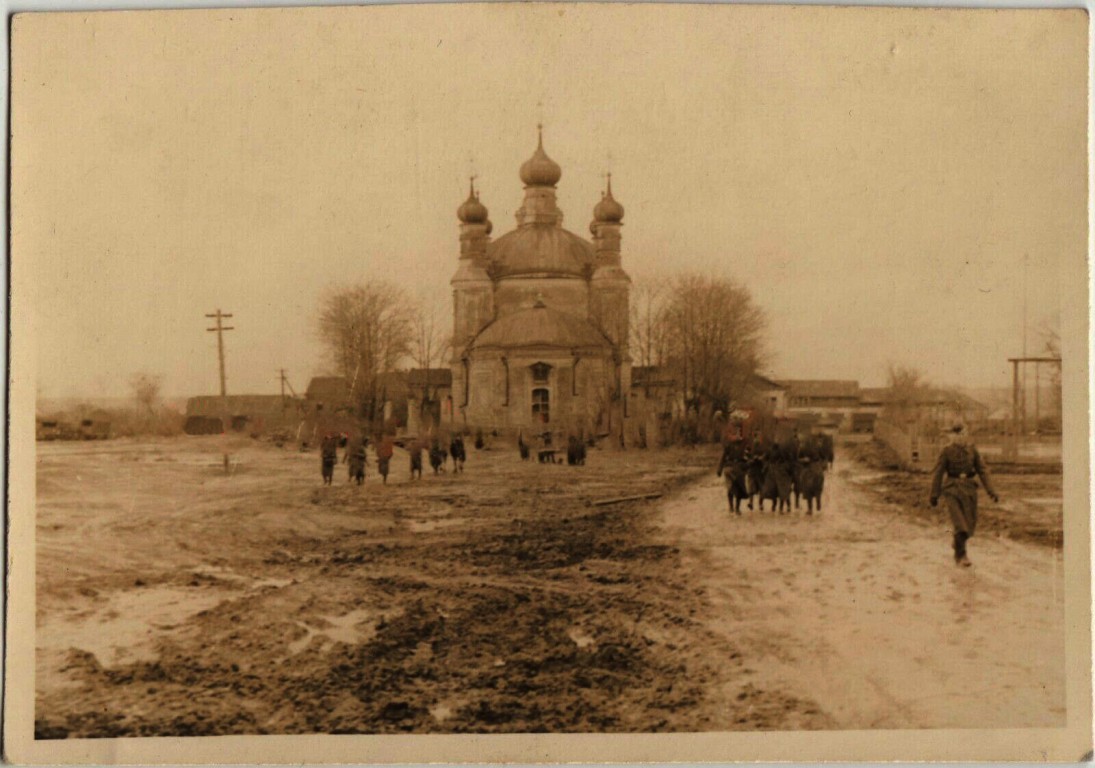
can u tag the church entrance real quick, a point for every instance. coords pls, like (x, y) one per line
(541, 406)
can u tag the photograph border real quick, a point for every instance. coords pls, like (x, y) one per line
(1071, 743)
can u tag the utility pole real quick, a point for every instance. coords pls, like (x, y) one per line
(220, 329)
(285, 385)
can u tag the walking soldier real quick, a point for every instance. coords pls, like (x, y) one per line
(328, 449)
(953, 481)
(355, 457)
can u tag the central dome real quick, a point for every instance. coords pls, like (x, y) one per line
(540, 249)
(540, 170)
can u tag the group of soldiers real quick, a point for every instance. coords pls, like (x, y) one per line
(355, 456)
(774, 470)
(545, 454)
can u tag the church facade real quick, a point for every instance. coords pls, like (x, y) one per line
(540, 316)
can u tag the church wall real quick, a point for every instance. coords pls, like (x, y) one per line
(609, 307)
(472, 310)
(569, 412)
(569, 295)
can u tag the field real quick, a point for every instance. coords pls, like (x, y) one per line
(175, 600)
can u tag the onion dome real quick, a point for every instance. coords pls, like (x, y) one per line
(472, 211)
(540, 170)
(608, 211)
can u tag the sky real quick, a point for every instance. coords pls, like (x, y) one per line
(894, 186)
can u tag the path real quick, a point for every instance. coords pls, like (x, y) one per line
(863, 610)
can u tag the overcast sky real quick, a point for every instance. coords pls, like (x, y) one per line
(878, 177)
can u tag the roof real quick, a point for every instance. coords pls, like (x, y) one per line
(538, 249)
(874, 395)
(540, 326)
(213, 405)
(763, 382)
(328, 388)
(822, 388)
(929, 396)
(437, 377)
(651, 375)
(398, 382)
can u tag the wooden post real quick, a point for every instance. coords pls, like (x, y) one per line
(226, 417)
(1013, 448)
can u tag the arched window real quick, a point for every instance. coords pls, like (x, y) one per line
(540, 372)
(541, 406)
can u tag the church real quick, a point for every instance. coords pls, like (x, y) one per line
(540, 316)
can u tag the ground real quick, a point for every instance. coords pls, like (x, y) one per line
(173, 600)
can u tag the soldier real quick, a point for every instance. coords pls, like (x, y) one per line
(328, 449)
(953, 480)
(733, 467)
(355, 458)
(384, 451)
(415, 450)
(459, 455)
(438, 456)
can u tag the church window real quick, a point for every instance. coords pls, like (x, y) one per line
(540, 372)
(541, 406)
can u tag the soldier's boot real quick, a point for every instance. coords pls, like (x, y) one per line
(960, 557)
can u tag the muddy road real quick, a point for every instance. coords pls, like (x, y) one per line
(173, 600)
(863, 609)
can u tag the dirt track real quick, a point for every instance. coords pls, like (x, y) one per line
(863, 609)
(174, 601)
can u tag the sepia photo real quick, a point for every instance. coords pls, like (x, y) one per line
(565, 382)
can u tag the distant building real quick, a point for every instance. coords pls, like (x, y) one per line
(418, 398)
(930, 408)
(245, 413)
(540, 316)
(327, 393)
(770, 394)
(828, 403)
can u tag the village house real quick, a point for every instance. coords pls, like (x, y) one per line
(241, 413)
(828, 403)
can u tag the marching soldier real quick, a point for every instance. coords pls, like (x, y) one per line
(384, 451)
(355, 458)
(415, 451)
(953, 481)
(328, 450)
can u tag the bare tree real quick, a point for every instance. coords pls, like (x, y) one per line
(648, 328)
(431, 345)
(908, 389)
(714, 339)
(146, 388)
(367, 329)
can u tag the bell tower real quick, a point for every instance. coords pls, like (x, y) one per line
(610, 286)
(471, 285)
